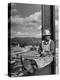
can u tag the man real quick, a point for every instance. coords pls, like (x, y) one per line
(47, 44)
(29, 67)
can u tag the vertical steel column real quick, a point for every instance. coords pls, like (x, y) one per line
(45, 17)
(48, 22)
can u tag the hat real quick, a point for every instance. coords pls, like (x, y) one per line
(46, 32)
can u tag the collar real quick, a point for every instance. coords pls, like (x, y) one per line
(45, 42)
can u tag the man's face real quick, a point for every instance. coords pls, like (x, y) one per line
(47, 37)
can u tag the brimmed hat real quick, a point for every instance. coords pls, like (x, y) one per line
(46, 32)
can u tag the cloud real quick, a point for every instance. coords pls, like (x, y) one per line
(27, 27)
(17, 19)
(40, 27)
(21, 33)
(56, 22)
(26, 34)
(13, 4)
(34, 18)
(14, 10)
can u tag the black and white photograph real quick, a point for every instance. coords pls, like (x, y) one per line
(32, 39)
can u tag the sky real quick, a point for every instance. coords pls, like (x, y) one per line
(25, 20)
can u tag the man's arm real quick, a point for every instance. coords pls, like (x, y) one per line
(52, 47)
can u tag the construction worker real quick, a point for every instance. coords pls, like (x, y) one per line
(47, 44)
(29, 67)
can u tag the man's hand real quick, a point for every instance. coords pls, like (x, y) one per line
(44, 53)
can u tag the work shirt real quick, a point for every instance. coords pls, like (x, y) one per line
(47, 47)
